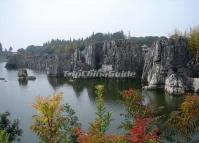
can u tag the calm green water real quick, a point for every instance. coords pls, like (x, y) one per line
(16, 98)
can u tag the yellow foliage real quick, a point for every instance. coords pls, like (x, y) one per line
(193, 38)
(190, 106)
(186, 120)
(48, 120)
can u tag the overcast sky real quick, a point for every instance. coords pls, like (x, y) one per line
(26, 22)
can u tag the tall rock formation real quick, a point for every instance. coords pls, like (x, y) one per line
(121, 55)
(166, 57)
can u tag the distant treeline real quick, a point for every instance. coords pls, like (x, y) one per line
(61, 46)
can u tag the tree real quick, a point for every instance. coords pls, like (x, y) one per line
(10, 49)
(99, 126)
(54, 123)
(48, 122)
(184, 123)
(134, 107)
(4, 137)
(193, 39)
(1, 48)
(9, 128)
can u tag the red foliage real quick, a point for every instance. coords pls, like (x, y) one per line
(127, 92)
(139, 133)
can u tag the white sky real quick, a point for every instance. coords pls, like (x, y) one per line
(26, 22)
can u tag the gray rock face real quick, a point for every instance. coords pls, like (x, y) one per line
(174, 85)
(121, 55)
(31, 78)
(164, 58)
(22, 73)
(2, 78)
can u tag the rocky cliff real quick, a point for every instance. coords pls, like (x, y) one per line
(167, 64)
(119, 55)
(166, 61)
(114, 55)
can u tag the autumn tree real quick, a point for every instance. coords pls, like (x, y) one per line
(55, 122)
(97, 129)
(193, 38)
(48, 121)
(134, 106)
(183, 124)
(138, 118)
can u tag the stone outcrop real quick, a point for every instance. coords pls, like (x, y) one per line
(120, 55)
(166, 64)
(164, 58)
(174, 85)
(2, 78)
(22, 73)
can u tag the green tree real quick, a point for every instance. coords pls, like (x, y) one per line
(4, 137)
(1, 48)
(10, 49)
(70, 124)
(103, 117)
(193, 39)
(10, 128)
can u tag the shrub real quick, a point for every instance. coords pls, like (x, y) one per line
(134, 106)
(4, 137)
(97, 130)
(193, 38)
(54, 123)
(183, 124)
(8, 128)
(70, 124)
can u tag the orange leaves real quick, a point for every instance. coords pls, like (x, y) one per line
(84, 137)
(140, 134)
(185, 122)
(190, 106)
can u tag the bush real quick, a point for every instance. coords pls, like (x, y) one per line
(9, 129)
(183, 124)
(54, 123)
(4, 137)
(193, 39)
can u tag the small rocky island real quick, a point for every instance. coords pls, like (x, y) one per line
(23, 75)
(167, 64)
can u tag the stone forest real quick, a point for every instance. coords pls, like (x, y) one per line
(150, 83)
(99, 71)
(168, 63)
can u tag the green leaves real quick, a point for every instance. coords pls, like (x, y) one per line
(9, 128)
(70, 124)
(103, 117)
(4, 137)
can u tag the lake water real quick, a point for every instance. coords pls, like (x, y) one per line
(16, 98)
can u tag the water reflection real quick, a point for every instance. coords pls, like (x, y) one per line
(23, 82)
(80, 94)
(112, 87)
